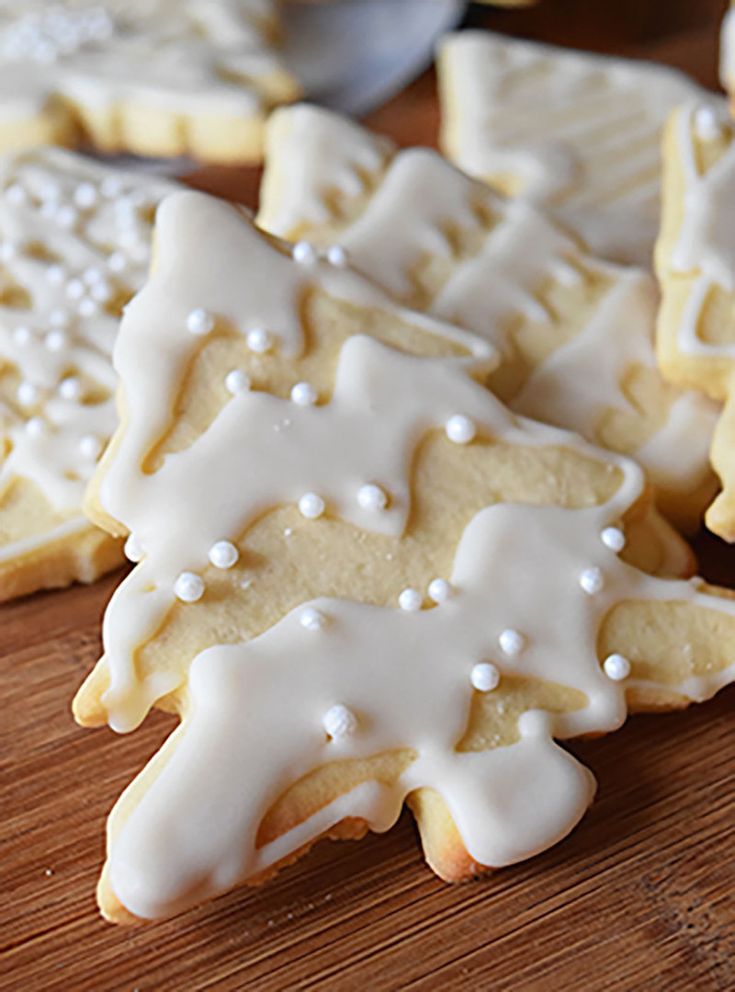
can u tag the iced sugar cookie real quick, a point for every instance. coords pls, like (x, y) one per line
(575, 333)
(153, 77)
(695, 260)
(74, 245)
(361, 580)
(571, 130)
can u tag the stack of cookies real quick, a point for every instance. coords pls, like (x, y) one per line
(402, 478)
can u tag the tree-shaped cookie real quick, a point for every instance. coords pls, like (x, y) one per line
(361, 579)
(74, 246)
(577, 132)
(160, 77)
(695, 261)
(575, 333)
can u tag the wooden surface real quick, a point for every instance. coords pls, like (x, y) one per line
(640, 897)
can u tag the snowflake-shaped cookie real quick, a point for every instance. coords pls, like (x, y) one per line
(361, 579)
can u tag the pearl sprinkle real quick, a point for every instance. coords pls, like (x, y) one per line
(371, 497)
(339, 721)
(439, 590)
(90, 447)
(337, 256)
(237, 381)
(613, 538)
(70, 388)
(259, 341)
(312, 619)
(485, 677)
(511, 642)
(410, 600)
(223, 554)
(460, 429)
(304, 253)
(616, 667)
(199, 322)
(591, 580)
(311, 506)
(304, 394)
(189, 587)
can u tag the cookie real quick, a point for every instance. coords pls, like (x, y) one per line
(575, 131)
(74, 246)
(361, 580)
(695, 261)
(160, 77)
(576, 334)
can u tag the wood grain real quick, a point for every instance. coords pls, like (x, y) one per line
(641, 896)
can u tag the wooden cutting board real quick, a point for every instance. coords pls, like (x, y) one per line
(640, 897)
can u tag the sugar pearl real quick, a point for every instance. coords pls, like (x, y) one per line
(511, 642)
(613, 538)
(223, 554)
(22, 335)
(311, 506)
(70, 388)
(8, 251)
(92, 276)
(372, 497)
(66, 216)
(117, 262)
(56, 274)
(439, 590)
(484, 676)
(58, 318)
(460, 429)
(410, 600)
(111, 187)
(133, 548)
(35, 427)
(337, 256)
(16, 194)
(237, 381)
(56, 340)
(199, 322)
(259, 340)
(90, 446)
(87, 307)
(339, 721)
(75, 289)
(189, 587)
(312, 619)
(101, 292)
(616, 667)
(304, 394)
(27, 394)
(85, 196)
(591, 580)
(707, 123)
(304, 253)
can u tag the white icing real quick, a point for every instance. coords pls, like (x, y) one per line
(579, 132)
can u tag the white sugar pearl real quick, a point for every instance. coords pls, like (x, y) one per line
(8, 251)
(22, 335)
(339, 721)
(87, 307)
(616, 667)
(707, 124)
(511, 642)
(304, 394)
(311, 619)
(111, 187)
(66, 217)
(75, 289)
(189, 587)
(117, 262)
(90, 447)
(259, 340)
(27, 394)
(92, 276)
(85, 196)
(372, 497)
(311, 506)
(304, 253)
(591, 580)
(70, 388)
(16, 195)
(484, 676)
(101, 292)
(237, 381)
(410, 600)
(35, 427)
(223, 554)
(460, 429)
(337, 256)
(613, 538)
(56, 274)
(56, 340)
(133, 549)
(199, 321)
(439, 590)
(58, 318)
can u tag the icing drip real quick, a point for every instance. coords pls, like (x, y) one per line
(58, 315)
(594, 125)
(389, 680)
(422, 208)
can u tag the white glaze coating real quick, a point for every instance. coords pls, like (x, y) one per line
(189, 57)
(61, 355)
(577, 131)
(706, 238)
(380, 677)
(417, 198)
